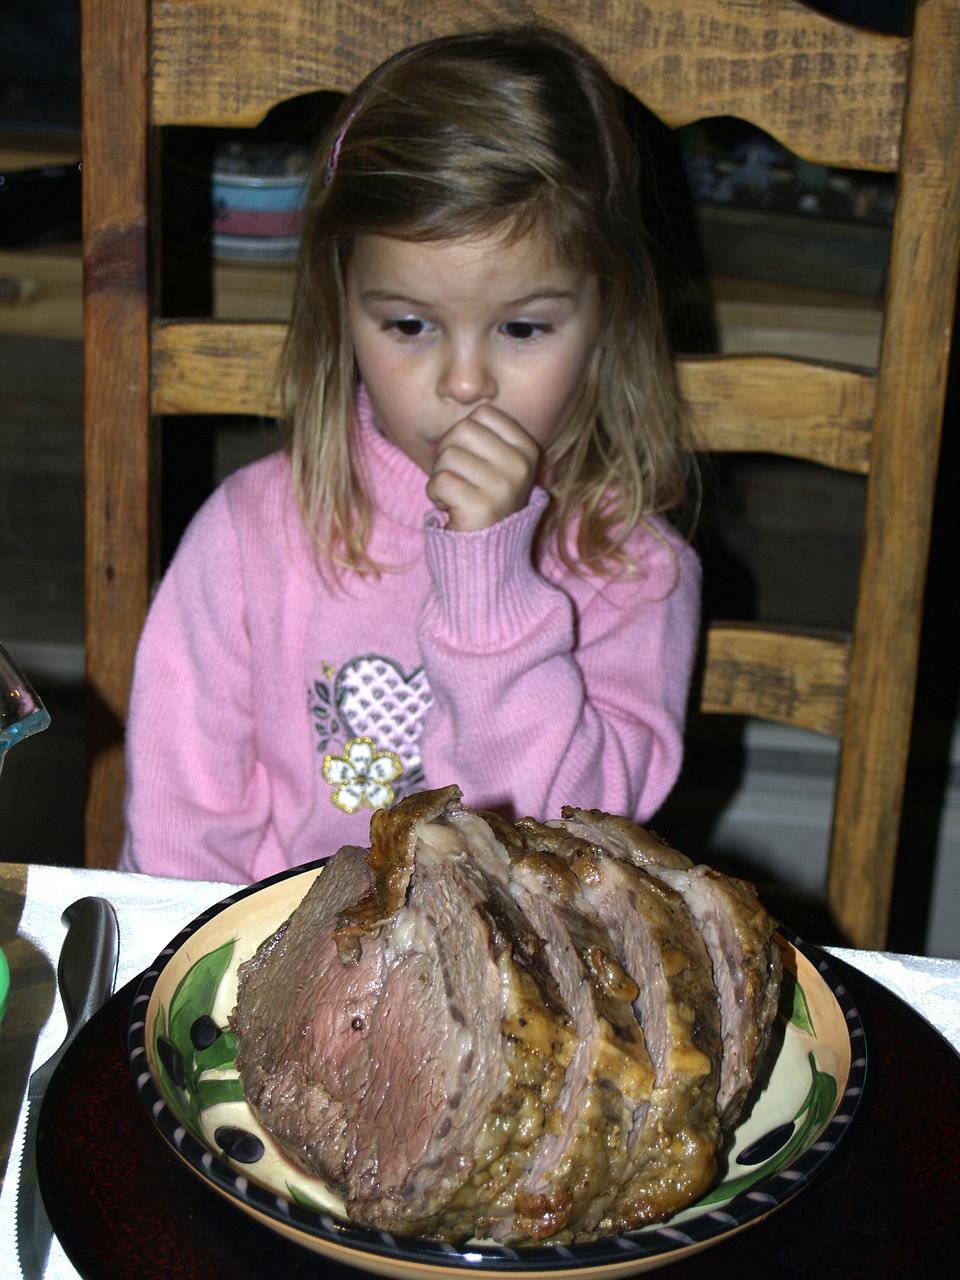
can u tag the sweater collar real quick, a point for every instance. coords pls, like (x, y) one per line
(395, 485)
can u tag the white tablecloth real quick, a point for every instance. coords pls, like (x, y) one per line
(152, 911)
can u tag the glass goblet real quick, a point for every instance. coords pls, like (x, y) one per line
(21, 711)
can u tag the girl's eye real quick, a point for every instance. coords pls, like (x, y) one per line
(408, 327)
(523, 330)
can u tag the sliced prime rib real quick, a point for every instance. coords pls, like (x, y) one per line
(583, 1159)
(570, 1174)
(673, 1147)
(311, 1095)
(481, 1028)
(673, 1141)
(736, 930)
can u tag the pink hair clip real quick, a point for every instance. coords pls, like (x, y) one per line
(334, 155)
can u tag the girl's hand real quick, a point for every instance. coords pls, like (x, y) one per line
(484, 470)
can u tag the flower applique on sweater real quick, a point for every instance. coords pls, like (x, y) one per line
(368, 717)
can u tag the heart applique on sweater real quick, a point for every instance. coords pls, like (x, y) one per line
(376, 699)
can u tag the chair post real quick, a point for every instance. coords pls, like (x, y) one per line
(900, 491)
(117, 443)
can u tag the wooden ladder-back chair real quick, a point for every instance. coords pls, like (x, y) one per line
(833, 94)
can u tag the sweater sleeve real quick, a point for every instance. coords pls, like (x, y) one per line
(198, 799)
(548, 694)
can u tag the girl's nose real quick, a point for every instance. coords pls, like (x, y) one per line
(466, 376)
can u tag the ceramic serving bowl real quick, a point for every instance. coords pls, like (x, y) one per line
(181, 1051)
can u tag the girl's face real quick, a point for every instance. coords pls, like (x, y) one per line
(443, 327)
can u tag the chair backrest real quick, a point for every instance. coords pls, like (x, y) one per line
(833, 94)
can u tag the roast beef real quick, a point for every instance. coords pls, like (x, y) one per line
(584, 1158)
(674, 1146)
(509, 1031)
(736, 932)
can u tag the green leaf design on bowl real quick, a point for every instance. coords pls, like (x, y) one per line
(194, 997)
(800, 1015)
(222, 1053)
(307, 1202)
(210, 1093)
(809, 1121)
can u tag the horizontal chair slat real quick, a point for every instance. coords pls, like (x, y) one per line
(755, 63)
(217, 367)
(795, 677)
(822, 413)
(747, 65)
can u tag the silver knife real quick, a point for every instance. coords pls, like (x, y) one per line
(86, 973)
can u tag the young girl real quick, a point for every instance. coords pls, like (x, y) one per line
(458, 571)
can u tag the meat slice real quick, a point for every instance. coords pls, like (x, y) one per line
(582, 1160)
(311, 1095)
(736, 930)
(673, 1145)
(747, 968)
(620, 836)
(394, 835)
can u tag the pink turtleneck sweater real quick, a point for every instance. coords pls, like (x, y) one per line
(272, 711)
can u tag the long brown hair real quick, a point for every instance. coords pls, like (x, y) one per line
(464, 136)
